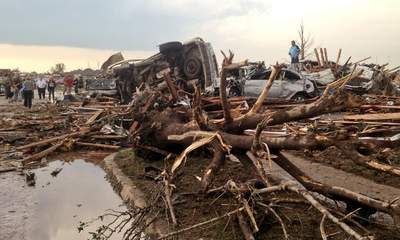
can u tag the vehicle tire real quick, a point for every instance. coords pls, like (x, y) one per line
(192, 67)
(169, 47)
(299, 97)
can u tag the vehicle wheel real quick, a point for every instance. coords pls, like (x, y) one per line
(299, 97)
(169, 47)
(192, 67)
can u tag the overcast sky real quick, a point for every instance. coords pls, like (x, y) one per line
(35, 34)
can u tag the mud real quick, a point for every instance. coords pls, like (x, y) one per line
(301, 220)
(334, 157)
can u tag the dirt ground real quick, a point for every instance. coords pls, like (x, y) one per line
(333, 156)
(301, 221)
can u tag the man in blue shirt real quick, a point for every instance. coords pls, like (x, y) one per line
(294, 52)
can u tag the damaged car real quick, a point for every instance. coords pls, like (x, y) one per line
(101, 86)
(186, 63)
(289, 85)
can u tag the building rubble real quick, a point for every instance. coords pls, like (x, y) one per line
(177, 109)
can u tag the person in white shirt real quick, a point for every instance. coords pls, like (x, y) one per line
(41, 85)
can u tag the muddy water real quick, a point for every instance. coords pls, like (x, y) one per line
(53, 208)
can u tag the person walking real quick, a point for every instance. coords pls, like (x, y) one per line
(51, 86)
(68, 84)
(41, 85)
(28, 86)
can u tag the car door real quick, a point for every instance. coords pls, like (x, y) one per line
(292, 84)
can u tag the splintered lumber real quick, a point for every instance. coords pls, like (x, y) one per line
(50, 140)
(356, 122)
(362, 60)
(338, 57)
(374, 117)
(9, 169)
(171, 86)
(108, 137)
(92, 108)
(380, 106)
(322, 57)
(97, 145)
(93, 118)
(326, 57)
(317, 56)
(44, 153)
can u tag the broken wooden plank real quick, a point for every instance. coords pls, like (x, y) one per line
(108, 137)
(50, 140)
(374, 117)
(93, 118)
(358, 122)
(8, 169)
(42, 154)
(317, 56)
(338, 57)
(171, 87)
(380, 106)
(97, 145)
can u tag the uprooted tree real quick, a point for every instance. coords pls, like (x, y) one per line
(166, 118)
(191, 128)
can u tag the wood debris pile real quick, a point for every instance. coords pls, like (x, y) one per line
(174, 125)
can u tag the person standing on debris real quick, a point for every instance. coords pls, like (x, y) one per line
(41, 85)
(294, 52)
(51, 86)
(16, 86)
(7, 87)
(76, 86)
(68, 83)
(28, 86)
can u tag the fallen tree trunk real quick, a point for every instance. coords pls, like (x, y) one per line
(335, 192)
(332, 103)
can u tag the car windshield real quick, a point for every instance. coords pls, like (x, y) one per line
(291, 75)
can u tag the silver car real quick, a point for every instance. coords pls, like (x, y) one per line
(289, 85)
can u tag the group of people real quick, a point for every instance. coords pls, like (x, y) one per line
(25, 86)
(41, 83)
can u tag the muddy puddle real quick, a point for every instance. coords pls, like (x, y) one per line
(53, 208)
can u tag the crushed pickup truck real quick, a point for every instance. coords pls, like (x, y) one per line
(190, 62)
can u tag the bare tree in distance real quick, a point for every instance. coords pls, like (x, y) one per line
(59, 68)
(305, 41)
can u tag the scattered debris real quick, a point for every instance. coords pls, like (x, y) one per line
(176, 106)
(55, 172)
